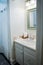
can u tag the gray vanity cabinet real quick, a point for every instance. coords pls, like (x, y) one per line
(19, 53)
(25, 55)
(29, 56)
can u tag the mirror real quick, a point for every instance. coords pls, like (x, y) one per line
(31, 14)
(31, 19)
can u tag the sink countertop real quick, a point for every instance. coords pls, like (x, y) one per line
(27, 43)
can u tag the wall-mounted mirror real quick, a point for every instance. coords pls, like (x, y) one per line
(31, 14)
(31, 19)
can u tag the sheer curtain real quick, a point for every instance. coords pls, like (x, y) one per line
(4, 28)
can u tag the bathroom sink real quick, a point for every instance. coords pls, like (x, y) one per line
(28, 40)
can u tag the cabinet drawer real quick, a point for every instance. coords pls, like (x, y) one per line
(29, 59)
(17, 50)
(17, 45)
(29, 51)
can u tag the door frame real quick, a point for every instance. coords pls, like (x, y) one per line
(39, 37)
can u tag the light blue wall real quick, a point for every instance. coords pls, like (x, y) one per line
(4, 29)
(0, 35)
(3, 1)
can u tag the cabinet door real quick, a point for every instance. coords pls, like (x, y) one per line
(28, 59)
(26, 64)
(29, 56)
(19, 55)
(30, 51)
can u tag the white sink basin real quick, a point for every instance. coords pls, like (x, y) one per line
(28, 40)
